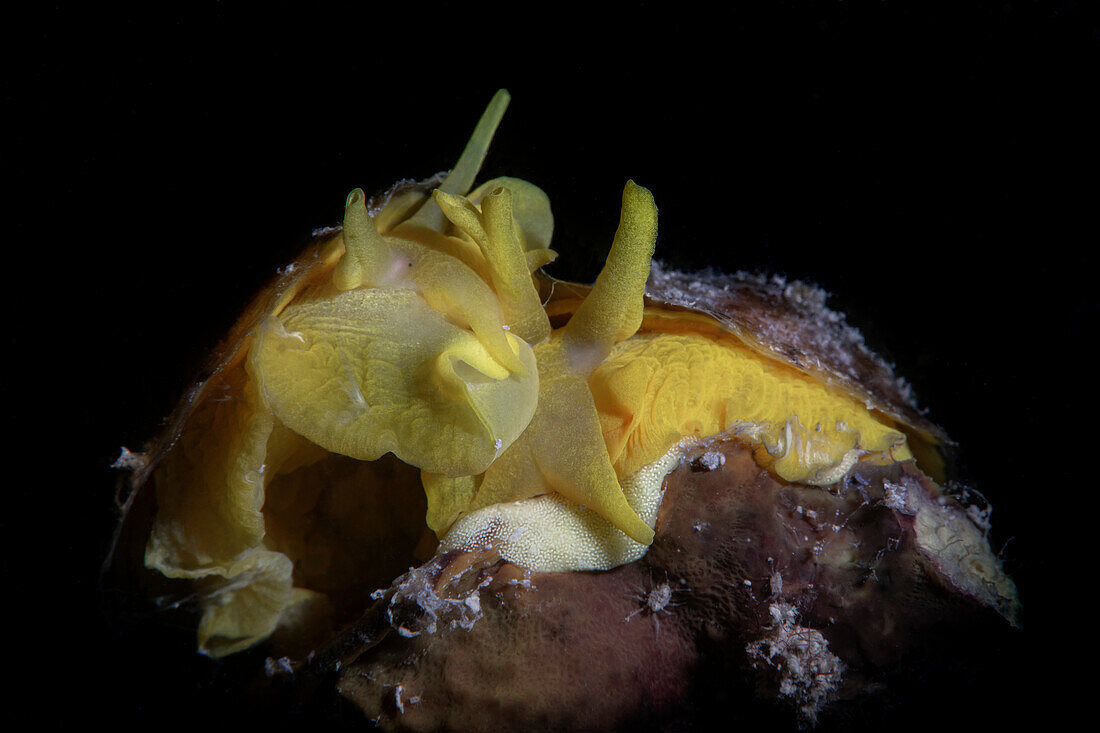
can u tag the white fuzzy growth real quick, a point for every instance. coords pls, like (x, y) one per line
(711, 460)
(809, 672)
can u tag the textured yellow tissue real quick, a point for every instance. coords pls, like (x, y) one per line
(420, 331)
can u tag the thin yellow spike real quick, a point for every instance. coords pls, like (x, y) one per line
(495, 232)
(463, 215)
(461, 178)
(612, 311)
(364, 248)
(508, 267)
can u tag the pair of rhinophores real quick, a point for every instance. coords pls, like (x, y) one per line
(542, 417)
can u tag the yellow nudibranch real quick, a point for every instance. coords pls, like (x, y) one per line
(420, 330)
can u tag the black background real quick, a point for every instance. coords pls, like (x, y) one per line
(934, 170)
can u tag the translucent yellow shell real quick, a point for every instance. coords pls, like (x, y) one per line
(420, 331)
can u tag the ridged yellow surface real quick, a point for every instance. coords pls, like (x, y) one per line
(657, 388)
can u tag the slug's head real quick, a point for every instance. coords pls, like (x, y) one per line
(420, 342)
(430, 341)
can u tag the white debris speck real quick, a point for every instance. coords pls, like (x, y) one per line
(712, 460)
(776, 583)
(896, 497)
(129, 460)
